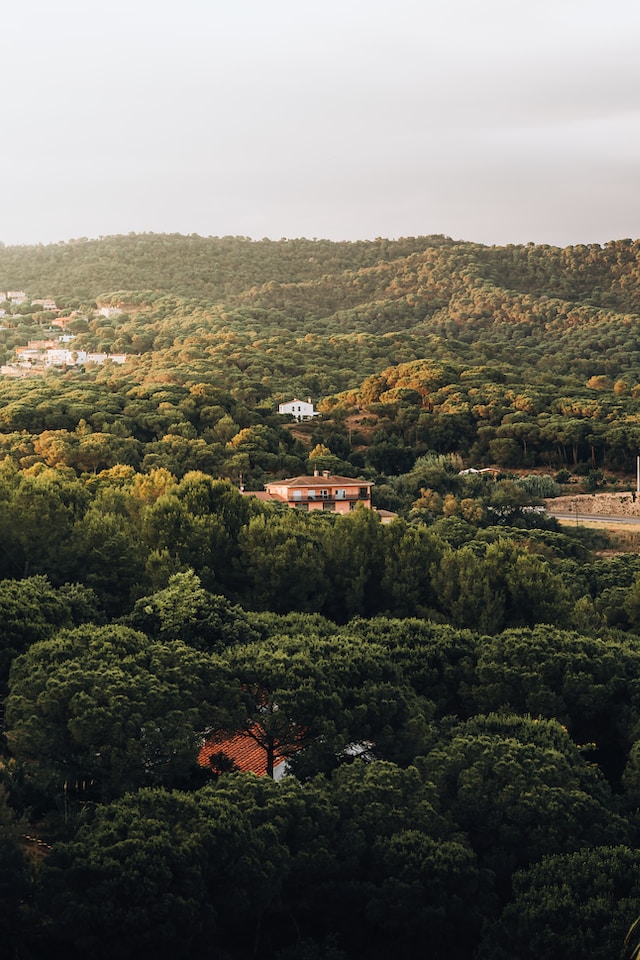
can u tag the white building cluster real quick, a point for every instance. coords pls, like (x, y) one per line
(40, 355)
(47, 354)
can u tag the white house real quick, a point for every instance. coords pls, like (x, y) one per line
(16, 297)
(58, 357)
(46, 304)
(299, 409)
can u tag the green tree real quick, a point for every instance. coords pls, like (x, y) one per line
(286, 694)
(197, 523)
(436, 660)
(282, 563)
(98, 711)
(32, 609)
(587, 683)
(16, 882)
(410, 553)
(404, 877)
(108, 554)
(133, 883)
(504, 586)
(39, 510)
(354, 565)
(185, 611)
(520, 789)
(571, 905)
(468, 591)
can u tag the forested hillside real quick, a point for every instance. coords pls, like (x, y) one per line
(210, 267)
(517, 356)
(456, 690)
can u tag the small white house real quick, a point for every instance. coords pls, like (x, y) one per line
(299, 409)
(46, 304)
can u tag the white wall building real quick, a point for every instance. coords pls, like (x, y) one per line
(59, 357)
(300, 409)
(46, 304)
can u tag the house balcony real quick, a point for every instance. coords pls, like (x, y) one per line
(332, 497)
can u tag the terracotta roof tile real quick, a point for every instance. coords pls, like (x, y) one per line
(318, 481)
(239, 751)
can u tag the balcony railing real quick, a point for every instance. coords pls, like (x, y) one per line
(331, 497)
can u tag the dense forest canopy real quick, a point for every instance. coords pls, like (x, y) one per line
(519, 356)
(456, 690)
(211, 267)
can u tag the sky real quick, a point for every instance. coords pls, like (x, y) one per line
(493, 121)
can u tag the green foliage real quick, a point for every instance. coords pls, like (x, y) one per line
(16, 880)
(282, 563)
(478, 820)
(354, 565)
(437, 660)
(540, 485)
(588, 684)
(503, 586)
(33, 610)
(447, 346)
(185, 611)
(574, 905)
(519, 789)
(271, 624)
(99, 711)
(410, 553)
(162, 874)
(111, 554)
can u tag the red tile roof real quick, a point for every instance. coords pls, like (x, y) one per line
(319, 481)
(239, 751)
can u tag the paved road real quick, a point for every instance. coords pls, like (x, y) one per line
(597, 518)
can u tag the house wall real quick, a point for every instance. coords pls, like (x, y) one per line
(300, 409)
(323, 495)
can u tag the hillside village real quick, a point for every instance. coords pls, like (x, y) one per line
(54, 351)
(40, 355)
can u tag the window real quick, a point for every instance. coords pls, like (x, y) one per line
(324, 494)
(311, 494)
(328, 505)
(341, 494)
(364, 493)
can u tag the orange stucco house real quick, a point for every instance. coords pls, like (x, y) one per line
(322, 491)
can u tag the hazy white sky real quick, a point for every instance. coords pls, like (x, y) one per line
(498, 121)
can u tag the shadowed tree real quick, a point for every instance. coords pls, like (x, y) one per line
(95, 712)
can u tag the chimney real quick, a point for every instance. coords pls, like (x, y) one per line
(315, 472)
(325, 474)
